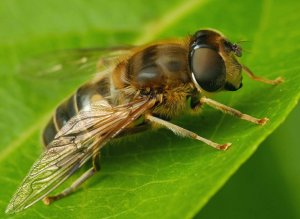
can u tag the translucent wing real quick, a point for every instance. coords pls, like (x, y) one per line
(71, 63)
(83, 136)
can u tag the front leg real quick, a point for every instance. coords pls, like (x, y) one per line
(276, 81)
(185, 133)
(231, 111)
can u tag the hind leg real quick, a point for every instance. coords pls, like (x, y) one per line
(85, 176)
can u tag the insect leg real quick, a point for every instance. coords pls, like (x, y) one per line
(233, 112)
(186, 133)
(261, 79)
(86, 175)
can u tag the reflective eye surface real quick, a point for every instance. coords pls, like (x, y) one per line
(208, 68)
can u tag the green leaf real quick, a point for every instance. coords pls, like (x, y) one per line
(264, 188)
(154, 174)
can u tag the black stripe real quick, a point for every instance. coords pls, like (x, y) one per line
(149, 55)
(86, 92)
(103, 87)
(73, 105)
(230, 87)
(65, 112)
(49, 132)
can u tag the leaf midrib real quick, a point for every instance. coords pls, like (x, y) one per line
(150, 32)
(265, 13)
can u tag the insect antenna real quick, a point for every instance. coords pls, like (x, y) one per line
(240, 42)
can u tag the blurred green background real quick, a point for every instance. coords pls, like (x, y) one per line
(268, 184)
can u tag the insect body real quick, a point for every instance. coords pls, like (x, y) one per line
(144, 86)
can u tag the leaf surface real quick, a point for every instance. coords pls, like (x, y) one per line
(155, 174)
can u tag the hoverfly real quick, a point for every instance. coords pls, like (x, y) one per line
(139, 87)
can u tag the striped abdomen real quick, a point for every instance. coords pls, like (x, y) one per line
(152, 69)
(83, 98)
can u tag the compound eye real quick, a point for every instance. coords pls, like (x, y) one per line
(208, 68)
